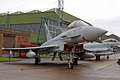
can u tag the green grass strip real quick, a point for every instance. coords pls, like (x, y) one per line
(8, 59)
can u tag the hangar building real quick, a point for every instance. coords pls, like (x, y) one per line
(19, 28)
(33, 22)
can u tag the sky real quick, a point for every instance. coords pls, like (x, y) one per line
(100, 13)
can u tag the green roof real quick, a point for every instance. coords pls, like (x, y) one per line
(18, 12)
(66, 16)
(34, 11)
(35, 15)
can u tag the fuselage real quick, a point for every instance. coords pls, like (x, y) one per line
(98, 49)
(75, 35)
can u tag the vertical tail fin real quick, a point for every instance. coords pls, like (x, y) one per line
(48, 35)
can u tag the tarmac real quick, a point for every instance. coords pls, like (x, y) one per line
(56, 70)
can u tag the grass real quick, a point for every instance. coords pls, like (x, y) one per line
(50, 56)
(8, 59)
(47, 55)
(4, 59)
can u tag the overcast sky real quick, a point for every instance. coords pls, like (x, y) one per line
(101, 13)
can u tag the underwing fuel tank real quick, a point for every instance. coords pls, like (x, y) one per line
(86, 55)
(30, 54)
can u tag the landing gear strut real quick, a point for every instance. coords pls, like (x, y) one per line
(97, 57)
(37, 59)
(75, 61)
(70, 61)
(59, 55)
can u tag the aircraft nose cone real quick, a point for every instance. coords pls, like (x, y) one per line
(92, 33)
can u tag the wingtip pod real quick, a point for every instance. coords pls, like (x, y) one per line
(92, 33)
(30, 54)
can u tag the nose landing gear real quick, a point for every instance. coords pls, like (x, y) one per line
(72, 61)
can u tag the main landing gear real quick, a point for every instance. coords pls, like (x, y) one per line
(59, 55)
(71, 61)
(37, 59)
(98, 57)
(107, 57)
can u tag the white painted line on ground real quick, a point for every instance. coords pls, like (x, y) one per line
(103, 66)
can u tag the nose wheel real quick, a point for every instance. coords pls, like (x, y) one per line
(72, 61)
(71, 65)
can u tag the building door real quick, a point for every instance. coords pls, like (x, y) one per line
(8, 42)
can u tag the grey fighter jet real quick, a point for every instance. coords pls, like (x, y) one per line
(98, 49)
(107, 47)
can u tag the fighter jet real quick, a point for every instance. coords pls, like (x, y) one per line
(66, 42)
(112, 42)
(107, 47)
(98, 49)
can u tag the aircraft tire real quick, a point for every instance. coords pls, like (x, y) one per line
(107, 57)
(36, 60)
(71, 65)
(97, 57)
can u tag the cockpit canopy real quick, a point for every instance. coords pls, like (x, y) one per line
(77, 23)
